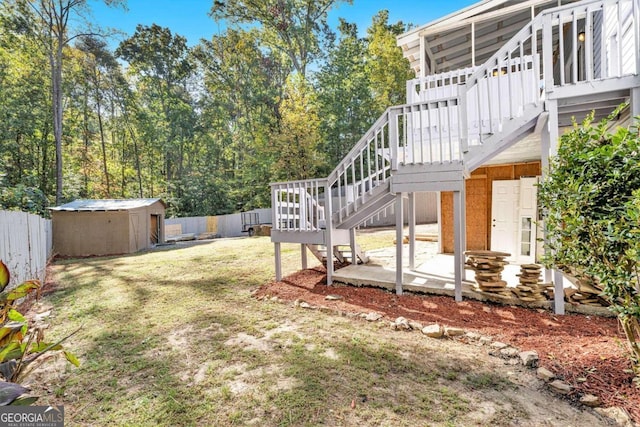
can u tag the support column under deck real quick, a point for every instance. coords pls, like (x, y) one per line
(399, 227)
(352, 243)
(458, 242)
(635, 102)
(303, 255)
(549, 145)
(278, 257)
(412, 231)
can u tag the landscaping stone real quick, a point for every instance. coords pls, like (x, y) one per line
(590, 400)
(529, 358)
(453, 332)
(618, 414)
(415, 325)
(333, 297)
(433, 331)
(373, 317)
(545, 374)
(304, 304)
(560, 387)
(508, 353)
(472, 336)
(485, 340)
(401, 324)
(499, 345)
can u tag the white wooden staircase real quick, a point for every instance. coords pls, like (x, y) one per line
(436, 141)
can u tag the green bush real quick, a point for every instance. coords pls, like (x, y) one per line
(20, 346)
(591, 205)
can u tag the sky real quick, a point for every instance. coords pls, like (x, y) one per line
(189, 18)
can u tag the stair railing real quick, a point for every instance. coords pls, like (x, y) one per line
(298, 205)
(501, 88)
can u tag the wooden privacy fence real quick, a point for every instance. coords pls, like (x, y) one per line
(25, 245)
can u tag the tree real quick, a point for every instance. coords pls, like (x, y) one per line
(591, 205)
(49, 20)
(297, 141)
(344, 97)
(294, 27)
(162, 63)
(387, 69)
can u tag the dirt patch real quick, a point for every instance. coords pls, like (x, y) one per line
(587, 352)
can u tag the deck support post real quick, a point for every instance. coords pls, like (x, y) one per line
(399, 229)
(303, 255)
(412, 231)
(458, 241)
(352, 242)
(549, 146)
(278, 257)
(544, 156)
(635, 102)
(328, 212)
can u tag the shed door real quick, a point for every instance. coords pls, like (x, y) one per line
(504, 216)
(154, 231)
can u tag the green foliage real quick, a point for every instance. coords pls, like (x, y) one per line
(206, 127)
(345, 100)
(294, 27)
(591, 205)
(23, 198)
(20, 346)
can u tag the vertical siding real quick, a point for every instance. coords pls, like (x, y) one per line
(25, 245)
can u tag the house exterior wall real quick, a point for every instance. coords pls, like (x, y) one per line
(478, 203)
(90, 233)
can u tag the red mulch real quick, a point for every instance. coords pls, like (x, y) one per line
(588, 352)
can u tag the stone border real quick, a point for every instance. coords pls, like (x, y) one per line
(512, 355)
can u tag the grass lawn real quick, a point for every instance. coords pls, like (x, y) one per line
(173, 337)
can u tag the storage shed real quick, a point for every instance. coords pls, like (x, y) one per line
(107, 227)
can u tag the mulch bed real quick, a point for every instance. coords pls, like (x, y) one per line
(588, 352)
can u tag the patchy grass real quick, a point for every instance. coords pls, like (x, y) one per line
(174, 338)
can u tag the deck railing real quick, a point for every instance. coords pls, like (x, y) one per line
(298, 205)
(437, 86)
(600, 40)
(455, 110)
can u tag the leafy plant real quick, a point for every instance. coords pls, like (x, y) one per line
(591, 204)
(20, 346)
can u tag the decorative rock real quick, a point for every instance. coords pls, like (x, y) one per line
(473, 336)
(529, 358)
(618, 414)
(590, 400)
(508, 353)
(304, 304)
(373, 317)
(415, 325)
(433, 331)
(545, 374)
(402, 324)
(453, 332)
(274, 299)
(485, 340)
(333, 297)
(498, 345)
(560, 387)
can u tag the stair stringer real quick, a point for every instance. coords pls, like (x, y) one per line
(371, 205)
(513, 131)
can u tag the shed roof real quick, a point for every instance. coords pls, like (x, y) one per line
(105, 204)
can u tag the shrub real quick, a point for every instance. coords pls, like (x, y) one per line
(20, 346)
(591, 205)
